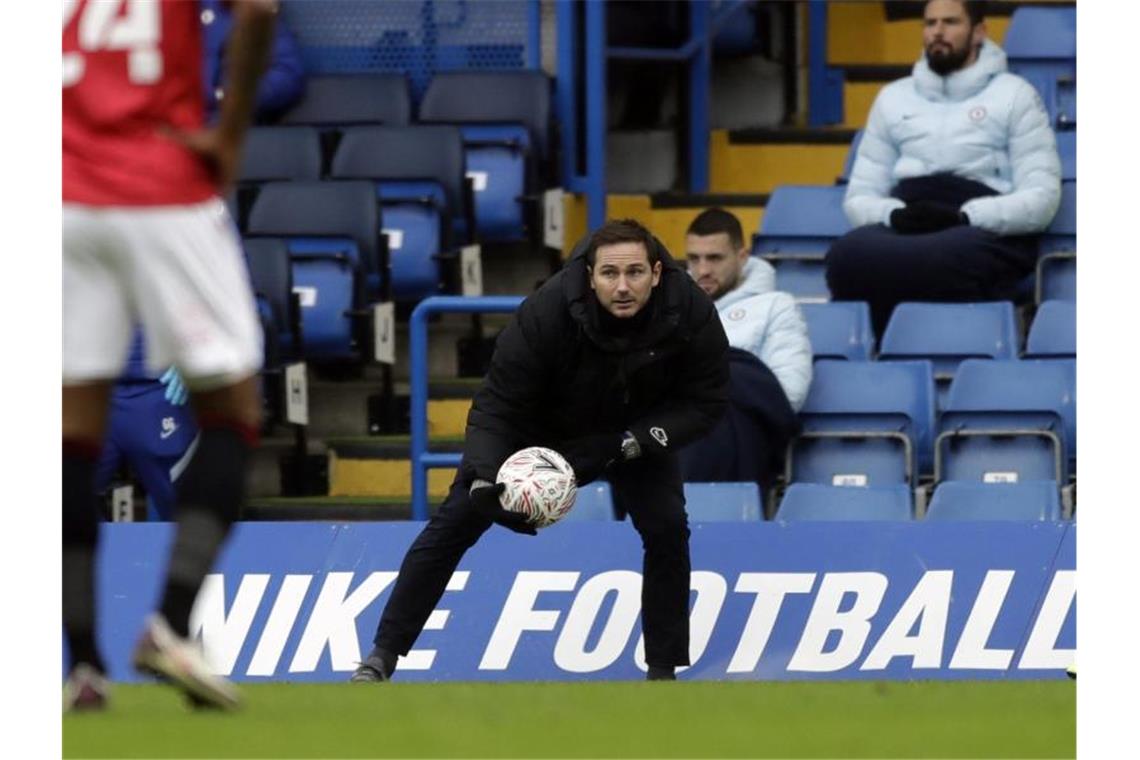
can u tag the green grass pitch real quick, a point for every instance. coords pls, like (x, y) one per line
(635, 719)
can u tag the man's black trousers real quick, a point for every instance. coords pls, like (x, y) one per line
(648, 489)
(885, 267)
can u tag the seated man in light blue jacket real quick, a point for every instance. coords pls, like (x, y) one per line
(770, 357)
(957, 172)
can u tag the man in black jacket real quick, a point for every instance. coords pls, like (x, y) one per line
(616, 362)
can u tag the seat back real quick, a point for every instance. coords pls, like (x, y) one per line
(491, 97)
(281, 153)
(1061, 234)
(1057, 278)
(840, 330)
(1041, 45)
(849, 161)
(1033, 500)
(334, 100)
(880, 397)
(1053, 333)
(417, 153)
(801, 219)
(723, 502)
(871, 460)
(947, 333)
(809, 501)
(593, 503)
(271, 276)
(1067, 150)
(346, 209)
(1009, 421)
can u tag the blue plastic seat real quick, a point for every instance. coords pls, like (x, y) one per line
(339, 100)
(799, 224)
(1041, 45)
(1032, 500)
(1008, 421)
(332, 230)
(810, 501)
(1057, 265)
(505, 119)
(418, 173)
(1053, 333)
(948, 333)
(840, 330)
(271, 275)
(723, 502)
(865, 423)
(593, 503)
(1067, 150)
(281, 153)
(849, 161)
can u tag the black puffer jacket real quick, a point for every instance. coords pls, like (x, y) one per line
(556, 374)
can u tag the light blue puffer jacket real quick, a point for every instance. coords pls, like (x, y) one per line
(768, 323)
(982, 123)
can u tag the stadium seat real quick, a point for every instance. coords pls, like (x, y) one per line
(1057, 265)
(810, 501)
(271, 275)
(1032, 500)
(593, 503)
(505, 120)
(947, 333)
(849, 162)
(884, 409)
(1053, 334)
(839, 330)
(723, 502)
(341, 100)
(1067, 149)
(332, 230)
(1008, 422)
(418, 175)
(1041, 45)
(797, 228)
(280, 153)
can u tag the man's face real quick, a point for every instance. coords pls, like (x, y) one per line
(947, 37)
(622, 278)
(713, 262)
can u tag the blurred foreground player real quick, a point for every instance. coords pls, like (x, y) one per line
(147, 239)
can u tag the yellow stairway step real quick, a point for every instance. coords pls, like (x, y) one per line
(381, 478)
(448, 416)
(858, 32)
(761, 166)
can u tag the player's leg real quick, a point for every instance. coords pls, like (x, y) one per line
(198, 314)
(96, 334)
(650, 490)
(423, 577)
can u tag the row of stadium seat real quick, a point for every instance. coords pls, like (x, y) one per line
(503, 121)
(876, 424)
(801, 221)
(741, 502)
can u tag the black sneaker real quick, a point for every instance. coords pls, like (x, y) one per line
(372, 670)
(660, 674)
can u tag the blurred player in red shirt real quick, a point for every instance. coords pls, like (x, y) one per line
(147, 239)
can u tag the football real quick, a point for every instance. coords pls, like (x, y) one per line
(540, 484)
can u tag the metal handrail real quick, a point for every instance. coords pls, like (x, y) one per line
(422, 459)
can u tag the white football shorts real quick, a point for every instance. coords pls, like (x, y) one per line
(178, 271)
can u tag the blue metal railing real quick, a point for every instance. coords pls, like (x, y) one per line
(696, 52)
(422, 459)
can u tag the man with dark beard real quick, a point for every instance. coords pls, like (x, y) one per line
(957, 172)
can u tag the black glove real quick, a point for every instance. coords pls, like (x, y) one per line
(925, 216)
(485, 501)
(591, 454)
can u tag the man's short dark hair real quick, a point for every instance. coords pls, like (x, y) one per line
(975, 9)
(713, 221)
(622, 231)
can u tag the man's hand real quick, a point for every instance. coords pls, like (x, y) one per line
(591, 454)
(219, 150)
(925, 216)
(175, 392)
(485, 501)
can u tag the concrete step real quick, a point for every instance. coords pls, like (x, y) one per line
(380, 467)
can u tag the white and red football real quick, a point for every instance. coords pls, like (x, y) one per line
(540, 484)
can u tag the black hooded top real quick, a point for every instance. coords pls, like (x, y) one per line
(564, 368)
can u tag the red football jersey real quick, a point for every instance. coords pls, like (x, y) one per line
(132, 68)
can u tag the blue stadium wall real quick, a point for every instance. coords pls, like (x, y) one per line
(771, 601)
